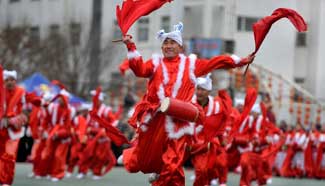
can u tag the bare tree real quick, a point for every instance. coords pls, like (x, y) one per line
(58, 56)
(94, 41)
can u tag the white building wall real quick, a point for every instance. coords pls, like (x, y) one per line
(202, 18)
(315, 75)
(277, 50)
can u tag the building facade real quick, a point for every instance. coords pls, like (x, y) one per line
(295, 56)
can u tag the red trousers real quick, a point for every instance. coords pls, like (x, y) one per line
(222, 165)
(101, 157)
(252, 168)
(204, 165)
(75, 151)
(56, 154)
(172, 173)
(130, 160)
(40, 167)
(8, 153)
(233, 157)
(320, 162)
(287, 170)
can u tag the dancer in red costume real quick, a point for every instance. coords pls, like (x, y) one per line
(12, 120)
(38, 124)
(162, 139)
(79, 137)
(209, 157)
(319, 170)
(97, 154)
(311, 151)
(254, 159)
(59, 136)
(294, 163)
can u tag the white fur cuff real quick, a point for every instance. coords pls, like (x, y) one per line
(235, 58)
(133, 54)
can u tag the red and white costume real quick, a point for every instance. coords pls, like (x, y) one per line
(79, 127)
(59, 138)
(98, 153)
(320, 158)
(162, 139)
(38, 126)
(11, 128)
(210, 158)
(294, 163)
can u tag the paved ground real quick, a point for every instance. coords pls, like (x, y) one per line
(119, 177)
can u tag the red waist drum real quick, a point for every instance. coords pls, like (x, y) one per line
(179, 109)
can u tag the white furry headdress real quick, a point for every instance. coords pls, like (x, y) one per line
(175, 35)
(8, 73)
(205, 82)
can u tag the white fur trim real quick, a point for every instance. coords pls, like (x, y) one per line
(55, 114)
(170, 128)
(165, 73)
(259, 123)
(156, 58)
(251, 120)
(198, 129)
(192, 58)
(216, 107)
(299, 139)
(133, 54)
(193, 100)
(147, 118)
(235, 58)
(16, 135)
(161, 92)
(242, 125)
(180, 76)
(210, 106)
(72, 111)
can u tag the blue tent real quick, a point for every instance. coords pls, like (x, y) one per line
(40, 84)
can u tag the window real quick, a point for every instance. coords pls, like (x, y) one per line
(299, 80)
(116, 31)
(14, 1)
(54, 29)
(165, 23)
(229, 46)
(75, 32)
(34, 34)
(246, 23)
(301, 39)
(143, 29)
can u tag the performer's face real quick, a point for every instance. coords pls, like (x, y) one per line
(10, 83)
(202, 94)
(171, 48)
